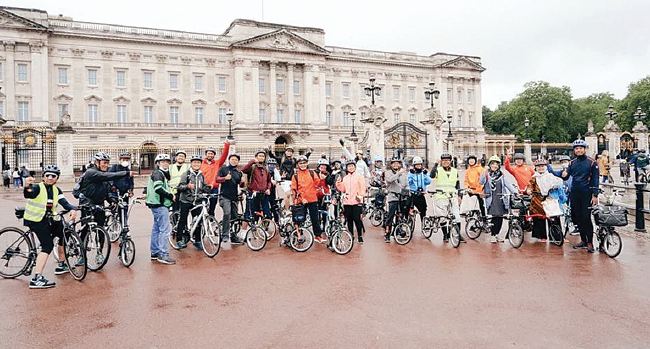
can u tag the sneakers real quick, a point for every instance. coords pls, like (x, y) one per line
(154, 256)
(360, 240)
(166, 259)
(574, 233)
(582, 244)
(61, 268)
(234, 240)
(590, 248)
(320, 239)
(387, 238)
(198, 245)
(181, 244)
(494, 239)
(39, 281)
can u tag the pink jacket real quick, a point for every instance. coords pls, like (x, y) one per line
(354, 186)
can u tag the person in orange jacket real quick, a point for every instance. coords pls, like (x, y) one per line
(472, 180)
(522, 172)
(210, 167)
(304, 187)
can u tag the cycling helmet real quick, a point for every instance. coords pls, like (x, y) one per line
(350, 162)
(323, 162)
(288, 148)
(162, 157)
(494, 158)
(472, 157)
(271, 161)
(445, 156)
(54, 169)
(418, 160)
(541, 162)
(378, 158)
(235, 155)
(519, 156)
(396, 160)
(125, 155)
(101, 156)
(260, 151)
(301, 158)
(579, 143)
(214, 151)
(196, 157)
(181, 151)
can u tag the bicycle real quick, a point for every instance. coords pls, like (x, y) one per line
(402, 230)
(23, 249)
(127, 246)
(95, 239)
(339, 239)
(609, 241)
(516, 221)
(210, 228)
(555, 234)
(374, 209)
(447, 221)
(295, 235)
(114, 219)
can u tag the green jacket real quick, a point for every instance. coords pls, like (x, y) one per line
(158, 191)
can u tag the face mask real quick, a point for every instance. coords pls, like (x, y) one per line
(164, 169)
(125, 163)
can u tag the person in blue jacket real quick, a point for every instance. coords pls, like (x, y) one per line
(418, 180)
(584, 192)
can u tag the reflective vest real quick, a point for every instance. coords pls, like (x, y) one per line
(175, 175)
(35, 208)
(446, 181)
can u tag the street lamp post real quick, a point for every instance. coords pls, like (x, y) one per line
(449, 135)
(372, 90)
(229, 115)
(526, 124)
(353, 115)
(611, 114)
(639, 115)
(431, 93)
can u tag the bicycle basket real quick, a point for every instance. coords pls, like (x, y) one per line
(298, 213)
(611, 216)
(19, 212)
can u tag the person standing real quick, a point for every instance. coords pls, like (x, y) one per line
(229, 178)
(210, 167)
(418, 181)
(176, 170)
(603, 166)
(540, 186)
(447, 180)
(522, 172)
(472, 181)
(497, 189)
(354, 187)
(584, 193)
(191, 184)
(159, 199)
(396, 183)
(304, 187)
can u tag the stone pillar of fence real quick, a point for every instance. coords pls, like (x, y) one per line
(528, 151)
(641, 134)
(65, 151)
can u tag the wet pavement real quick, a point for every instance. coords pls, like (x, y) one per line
(425, 294)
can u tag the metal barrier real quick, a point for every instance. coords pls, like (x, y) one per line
(639, 207)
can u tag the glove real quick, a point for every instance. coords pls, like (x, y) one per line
(425, 171)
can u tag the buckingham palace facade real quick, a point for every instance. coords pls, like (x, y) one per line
(156, 89)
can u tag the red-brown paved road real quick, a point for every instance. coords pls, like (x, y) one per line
(425, 294)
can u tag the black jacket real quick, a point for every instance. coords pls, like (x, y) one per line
(185, 194)
(95, 184)
(229, 187)
(124, 184)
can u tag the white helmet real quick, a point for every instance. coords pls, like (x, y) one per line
(378, 158)
(417, 160)
(322, 161)
(162, 157)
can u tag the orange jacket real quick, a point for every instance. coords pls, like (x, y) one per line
(210, 169)
(522, 173)
(473, 178)
(303, 185)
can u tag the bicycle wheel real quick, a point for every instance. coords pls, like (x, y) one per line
(612, 244)
(127, 252)
(16, 248)
(411, 223)
(211, 237)
(377, 217)
(270, 227)
(568, 226)
(556, 235)
(301, 239)
(342, 241)
(427, 227)
(235, 226)
(402, 234)
(473, 228)
(75, 255)
(173, 221)
(98, 248)
(515, 235)
(113, 228)
(255, 238)
(454, 234)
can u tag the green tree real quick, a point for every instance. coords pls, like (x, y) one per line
(592, 107)
(638, 95)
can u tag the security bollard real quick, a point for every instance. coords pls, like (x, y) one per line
(640, 219)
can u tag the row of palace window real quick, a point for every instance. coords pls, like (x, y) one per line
(461, 94)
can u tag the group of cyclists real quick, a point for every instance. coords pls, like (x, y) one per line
(270, 184)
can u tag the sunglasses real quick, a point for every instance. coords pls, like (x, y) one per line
(51, 176)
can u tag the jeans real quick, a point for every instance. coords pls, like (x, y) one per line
(229, 208)
(160, 231)
(213, 202)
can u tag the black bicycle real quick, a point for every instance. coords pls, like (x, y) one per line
(19, 249)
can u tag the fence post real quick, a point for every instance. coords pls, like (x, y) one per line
(640, 218)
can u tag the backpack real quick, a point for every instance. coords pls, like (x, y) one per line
(642, 161)
(76, 189)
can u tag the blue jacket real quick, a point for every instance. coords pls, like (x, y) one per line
(584, 171)
(567, 182)
(418, 181)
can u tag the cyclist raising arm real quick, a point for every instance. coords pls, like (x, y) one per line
(43, 200)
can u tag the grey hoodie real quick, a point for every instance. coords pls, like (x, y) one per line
(196, 178)
(395, 183)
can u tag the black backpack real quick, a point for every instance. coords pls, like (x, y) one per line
(76, 189)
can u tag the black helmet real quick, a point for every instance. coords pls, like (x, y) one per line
(100, 156)
(125, 155)
(210, 149)
(54, 169)
(196, 157)
(472, 157)
(235, 155)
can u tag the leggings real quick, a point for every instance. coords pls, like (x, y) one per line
(46, 230)
(420, 202)
(353, 217)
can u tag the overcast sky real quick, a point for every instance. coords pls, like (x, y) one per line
(588, 45)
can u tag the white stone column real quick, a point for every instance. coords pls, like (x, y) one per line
(10, 81)
(291, 107)
(320, 98)
(65, 152)
(528, 153)
(238, 85)
(273, 94)
(478, 106)
(254, 94)
(39, 82)
(309, 92)
(592, 144)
